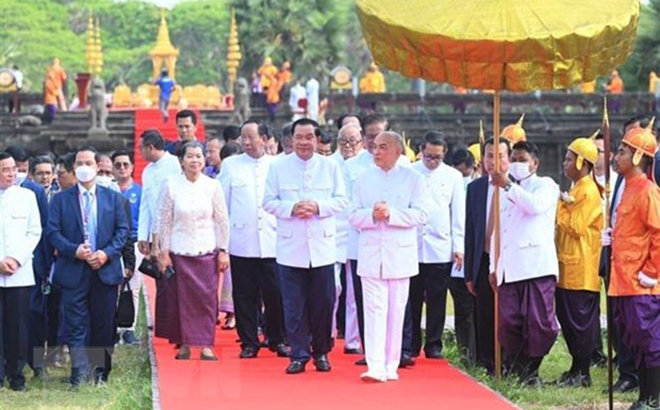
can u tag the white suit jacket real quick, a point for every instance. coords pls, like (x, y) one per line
(20, 231)
(355, 166)
(304, 243)
(444, 232)
(388, 249)
(252, 229)
(527, 245)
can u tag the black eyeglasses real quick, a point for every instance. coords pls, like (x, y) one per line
(346, 142)
(120, 165)
(429, 157)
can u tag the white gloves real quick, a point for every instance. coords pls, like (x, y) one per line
(645, 281)
(606, 237)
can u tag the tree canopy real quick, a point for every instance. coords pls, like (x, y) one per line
(315, 35)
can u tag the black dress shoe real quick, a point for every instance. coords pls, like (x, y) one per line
(18, 387)
(348, 350)
(433, 354)
(280, 349)
(624, 386)
(406, 361)
(248, 353)
(361, 362)
(574, 380)
(322, 363)
(295, 367)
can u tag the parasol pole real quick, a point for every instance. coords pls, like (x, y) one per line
(607, 143)
(496, 230)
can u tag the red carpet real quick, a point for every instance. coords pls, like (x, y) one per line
(151, 118)
(260, 384)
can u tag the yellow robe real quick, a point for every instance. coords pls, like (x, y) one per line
(579, 225)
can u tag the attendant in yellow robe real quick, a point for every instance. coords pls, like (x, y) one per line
(373, 81)
(579, 225)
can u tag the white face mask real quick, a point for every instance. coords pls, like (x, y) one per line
(85, 173)
(104, 181)
(519, 171)
(20, 177)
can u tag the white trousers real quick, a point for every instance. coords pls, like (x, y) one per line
(337, 293)
(384, 309)
(352, 331)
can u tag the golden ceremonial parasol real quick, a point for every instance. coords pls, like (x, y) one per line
(513, 45)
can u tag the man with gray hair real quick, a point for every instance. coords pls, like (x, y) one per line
(389, 203)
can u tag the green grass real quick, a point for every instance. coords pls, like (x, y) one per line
(129, 386)
(548, 397)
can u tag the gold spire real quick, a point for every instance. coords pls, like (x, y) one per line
(233, 52)
(163, 55)
(163, 45)
(98, 66)
(90, 51)
(482, 136)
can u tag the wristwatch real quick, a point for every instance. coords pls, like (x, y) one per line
(508, 186)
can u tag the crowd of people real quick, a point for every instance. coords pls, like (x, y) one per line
(305, 238)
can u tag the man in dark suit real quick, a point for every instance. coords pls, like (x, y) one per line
(478, 230)
(88, 227)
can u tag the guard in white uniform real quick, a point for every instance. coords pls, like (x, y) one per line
(440, 244)
(528, 268)
(305, 191)
(389, 204)
(252, 243)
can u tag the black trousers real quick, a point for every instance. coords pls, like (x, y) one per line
(308, 296)
(15, 316)
(407, 340)
(485, 317)
(463, 318)
(429, 286)
(341, 306)
(254, 279)
(38, 327)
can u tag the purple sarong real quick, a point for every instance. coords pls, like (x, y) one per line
(162, 323)
(637, 320)
(578, 312)
(193, 299)
(527, 327)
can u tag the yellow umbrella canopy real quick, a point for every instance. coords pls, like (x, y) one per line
(515, 45)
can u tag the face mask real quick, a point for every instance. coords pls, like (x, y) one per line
(104, 181)
(20, 177)
(85, 173)
(519, 171)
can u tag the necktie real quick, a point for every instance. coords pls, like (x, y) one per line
(89, 220)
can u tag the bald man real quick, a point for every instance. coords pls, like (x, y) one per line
(389, 203)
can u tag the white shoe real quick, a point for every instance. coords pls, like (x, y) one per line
(372, 378)
(393, 377)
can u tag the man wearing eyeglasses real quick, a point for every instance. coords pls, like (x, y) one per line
(122, 165)
(349, 145)
(440, 245)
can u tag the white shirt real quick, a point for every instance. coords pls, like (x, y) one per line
(153, 178)
(444, 232)
(193, 216)
(18, 77)
(388, 249)
(20, 231)
(304, 243)
(296, 93)
(312, 90)
(355, 166)
(243, 181)
(527, 231)
(616, 200)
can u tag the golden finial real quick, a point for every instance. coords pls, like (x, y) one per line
(594, 135)
(233, 51)
(482, 135)
(606, 117)
(520, 121)
(651, 124)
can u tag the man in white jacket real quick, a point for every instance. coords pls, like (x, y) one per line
(389, 203)
(20, 231)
